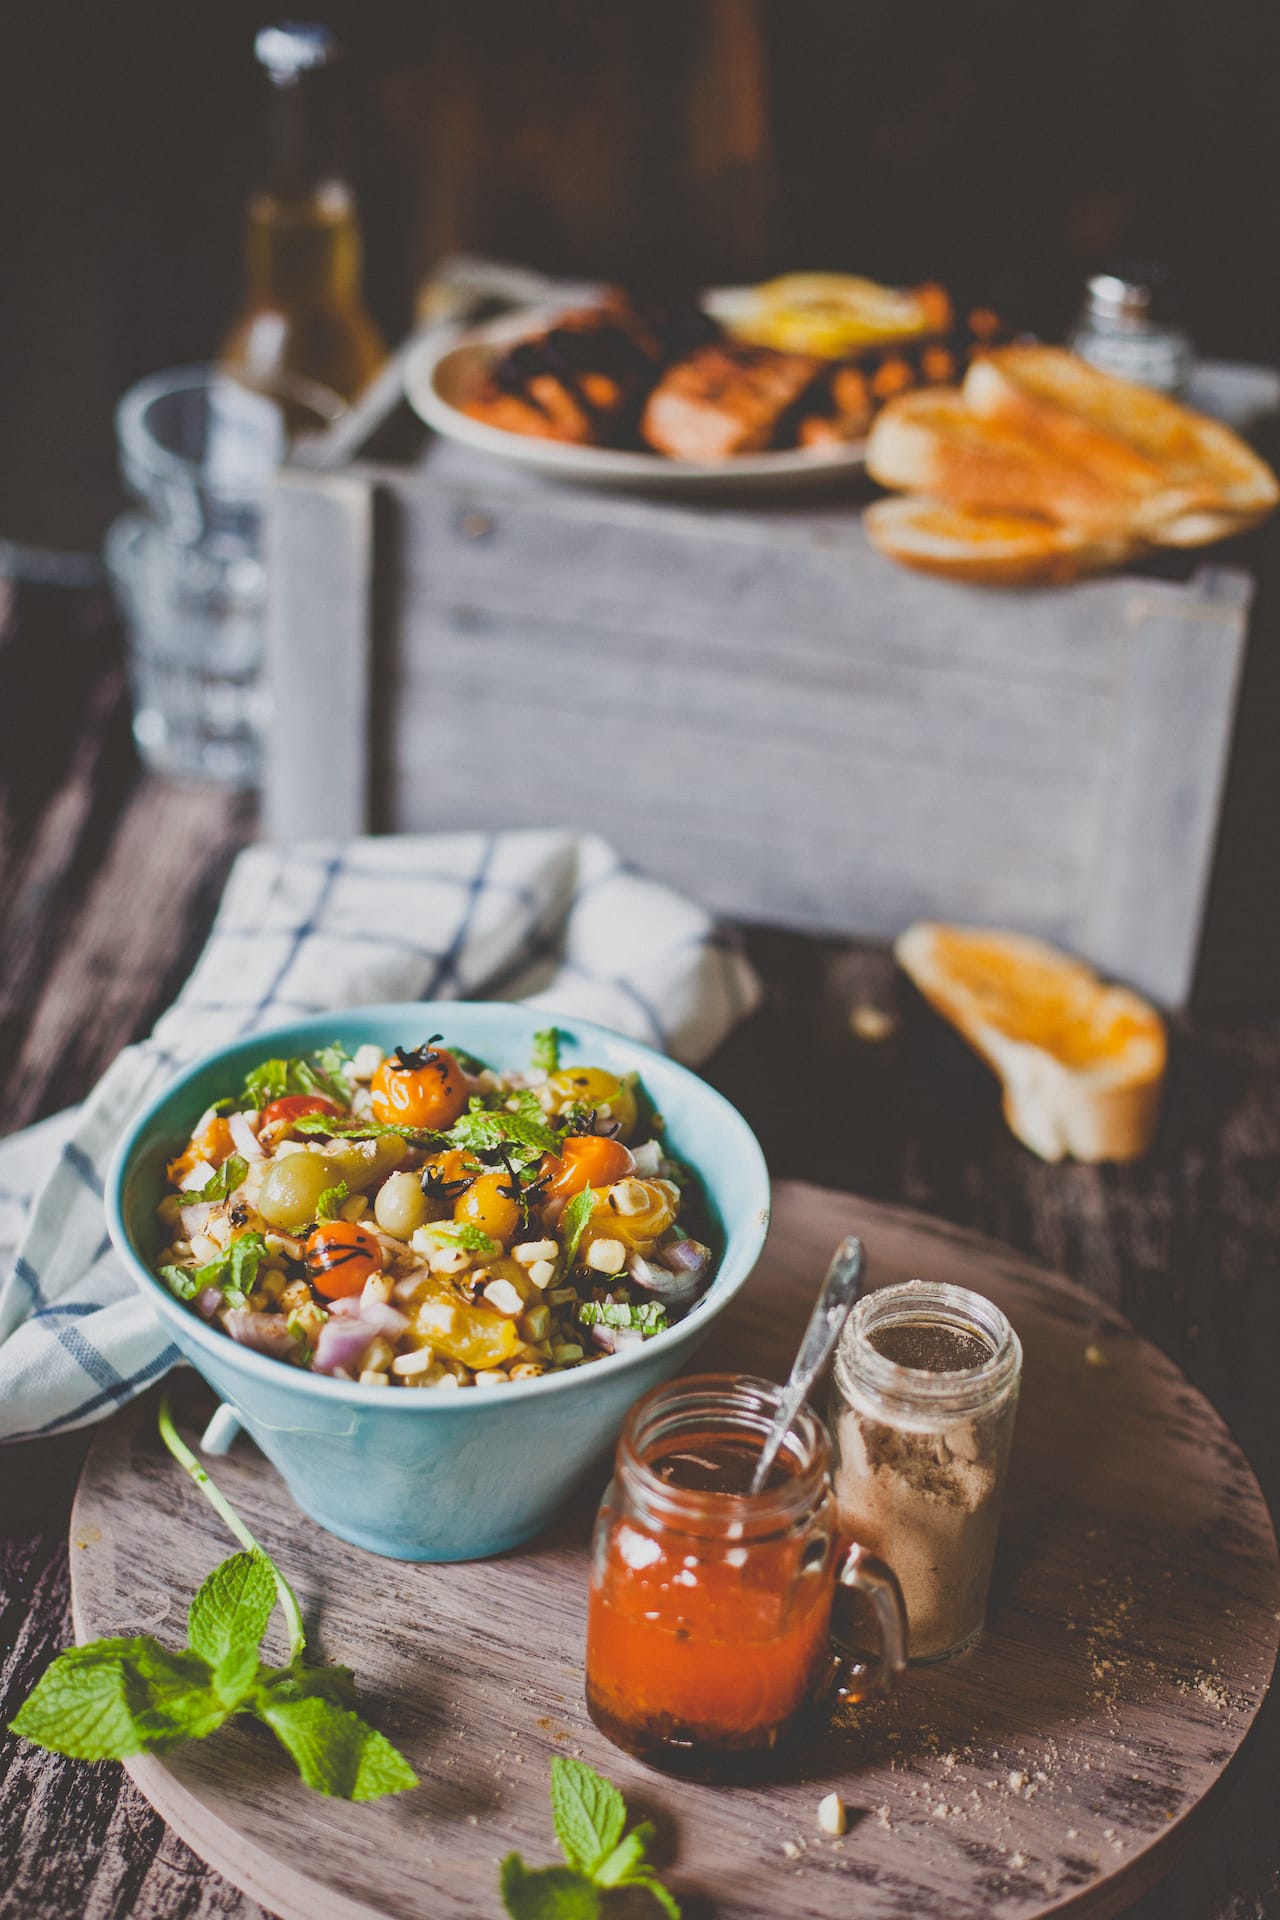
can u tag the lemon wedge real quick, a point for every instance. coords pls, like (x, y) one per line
(833, 314)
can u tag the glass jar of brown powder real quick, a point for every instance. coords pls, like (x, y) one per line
(923, 1399)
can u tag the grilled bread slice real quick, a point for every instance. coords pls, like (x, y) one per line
(931, 442)
(989, 549)
(1083, 414)
(1082, 1063)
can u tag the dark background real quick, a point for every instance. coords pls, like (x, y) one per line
(1006, 145)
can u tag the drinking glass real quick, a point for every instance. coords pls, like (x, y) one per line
(198, 448)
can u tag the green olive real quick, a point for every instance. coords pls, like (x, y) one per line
(400, 1206)
(364, 1162)
(292, 1187)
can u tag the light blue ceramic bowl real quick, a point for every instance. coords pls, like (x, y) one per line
(427, 1476)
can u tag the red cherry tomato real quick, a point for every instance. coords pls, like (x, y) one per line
(340, 1258)
(430, 1095)
(292, 1106)
(586, 1160)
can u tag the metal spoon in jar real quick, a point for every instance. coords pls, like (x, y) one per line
(839, 1291)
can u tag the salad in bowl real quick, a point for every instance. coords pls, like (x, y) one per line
(416, 1219)
(322, 1215)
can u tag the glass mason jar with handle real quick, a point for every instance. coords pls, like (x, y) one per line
(709, 1619)
(923, 1398)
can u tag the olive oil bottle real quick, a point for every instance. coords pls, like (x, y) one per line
(303, 313)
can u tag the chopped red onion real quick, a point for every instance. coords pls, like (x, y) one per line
(384, 1318)
(207, 1302)
(195, 1218)
(689, 1254)
(627, 1337)
(264, 1332)
(341, 1345)
(671, 1287)
(605, 1338)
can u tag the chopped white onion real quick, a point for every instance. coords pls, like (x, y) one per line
(244, 1136)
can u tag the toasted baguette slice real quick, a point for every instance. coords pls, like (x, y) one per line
(1082, 1063)
(931, 442)
(990, 549)
(1082, 412)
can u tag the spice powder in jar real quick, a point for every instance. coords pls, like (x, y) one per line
(923, 1398)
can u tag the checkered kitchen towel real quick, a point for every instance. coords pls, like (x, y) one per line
(554, 919)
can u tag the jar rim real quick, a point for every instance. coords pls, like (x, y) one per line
(729, 1404)
(860, 1364)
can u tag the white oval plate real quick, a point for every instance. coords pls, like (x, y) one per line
(443, 369)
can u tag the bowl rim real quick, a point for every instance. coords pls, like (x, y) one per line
(350, 1392)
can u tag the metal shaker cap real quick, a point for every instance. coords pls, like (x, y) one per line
(294, 47)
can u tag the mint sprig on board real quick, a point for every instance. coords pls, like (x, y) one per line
(590, 1819)
(118, 1697)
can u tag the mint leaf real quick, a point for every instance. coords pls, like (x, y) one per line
(172, 1695)
(80, 1705)
(627, 1858)
(341, 1129)
(652, 1885)
(267, 1082)
(334, 1750)
(649, 1317)
(233, 1272)
(547, 1893)
(320, 1073)
(574, 1219)
(481, 1129)
(546, 1050)
(232, 1608)
(329, 1205)
(235, 1676)
(224, 1181)
(461, 1233)
(296, 1682)
(589, 1813)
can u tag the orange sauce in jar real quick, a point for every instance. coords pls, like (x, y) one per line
(708, 1627)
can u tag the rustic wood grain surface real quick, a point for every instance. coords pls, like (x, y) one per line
(1129, 1642)
(107, 885)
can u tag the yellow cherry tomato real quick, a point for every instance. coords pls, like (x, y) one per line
(593, 1087)
(490, 1204)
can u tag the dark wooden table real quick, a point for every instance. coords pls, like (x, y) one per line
(108, 882)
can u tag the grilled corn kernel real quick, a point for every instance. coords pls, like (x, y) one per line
(606, 1256)
(449, 1260)
(378, 1355)
(527, 1370)
(502, 1295)
(492, 1377)
(377, 1290)
(529, 1252)
(407, 1365)
(353, 1208)
(371, 1379)
(436, 1317)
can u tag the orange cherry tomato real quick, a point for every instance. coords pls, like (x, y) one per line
(292, 1106)
(431, 1095)
(586, 1160)
(340, 1258)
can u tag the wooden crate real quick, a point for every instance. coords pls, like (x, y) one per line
(747, 700)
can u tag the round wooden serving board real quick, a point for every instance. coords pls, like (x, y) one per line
(1130, 1642)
